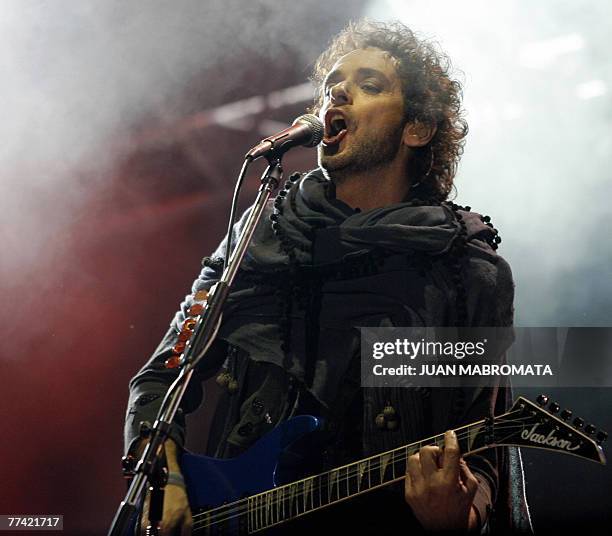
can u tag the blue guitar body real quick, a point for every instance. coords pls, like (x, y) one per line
(212, 482)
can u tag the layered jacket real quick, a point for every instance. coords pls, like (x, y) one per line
(315, 271)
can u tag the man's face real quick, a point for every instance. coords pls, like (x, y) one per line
(362, 113)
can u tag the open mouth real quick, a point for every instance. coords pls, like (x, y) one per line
(335, 128)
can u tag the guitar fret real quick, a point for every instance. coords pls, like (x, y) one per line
(307, 492)
(300, 494)
(352, 481)
(375, 474)
(249, 516)
(277, 503)
(256, 513)
(348, 491)
(333, 477)
(312, 493)
(384, 462)
(298, 497)
(362, 469)
(295, 499)
(253, 509)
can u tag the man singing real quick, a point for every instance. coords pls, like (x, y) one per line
(366, 239)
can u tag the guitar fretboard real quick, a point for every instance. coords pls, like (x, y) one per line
(299, 498)
(524, 425)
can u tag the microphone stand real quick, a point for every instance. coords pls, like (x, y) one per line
(151, 467)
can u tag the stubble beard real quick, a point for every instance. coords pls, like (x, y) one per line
(363, 155)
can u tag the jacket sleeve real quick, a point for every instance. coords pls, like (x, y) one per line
(149, 386)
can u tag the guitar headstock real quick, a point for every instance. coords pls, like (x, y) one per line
(531, 425)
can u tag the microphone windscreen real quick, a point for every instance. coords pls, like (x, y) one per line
(316, 128)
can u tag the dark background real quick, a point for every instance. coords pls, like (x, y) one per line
(118, 163)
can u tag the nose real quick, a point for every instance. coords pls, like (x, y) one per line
(340, 94)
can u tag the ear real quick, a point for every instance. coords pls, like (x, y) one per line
(418, 134)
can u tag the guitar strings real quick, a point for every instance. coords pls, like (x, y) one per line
(401, 451)
(226, 512)
(240, 507)
(270, 513)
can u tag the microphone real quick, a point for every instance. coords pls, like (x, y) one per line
(306, 130)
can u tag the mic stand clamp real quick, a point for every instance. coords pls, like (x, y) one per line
(157, 486)
(151, 468)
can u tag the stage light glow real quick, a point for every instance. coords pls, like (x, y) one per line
(541, 54)
(591, 89)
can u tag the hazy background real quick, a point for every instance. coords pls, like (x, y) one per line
(123, 125)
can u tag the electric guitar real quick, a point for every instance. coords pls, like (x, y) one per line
(241, 495)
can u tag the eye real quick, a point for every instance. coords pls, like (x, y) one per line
(370, 87)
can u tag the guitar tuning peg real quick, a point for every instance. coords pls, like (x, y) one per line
(542, 400)
(590, 429)
(601, 437)
(554, 407)
(578, 422)
(566, 415)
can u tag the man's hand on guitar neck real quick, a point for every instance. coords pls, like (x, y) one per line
(176, 519)
(440, 488)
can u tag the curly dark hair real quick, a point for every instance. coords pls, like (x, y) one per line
(431, 96)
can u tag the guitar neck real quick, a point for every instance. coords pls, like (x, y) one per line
(325, 489)
(524, 425)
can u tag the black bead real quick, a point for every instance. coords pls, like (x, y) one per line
(245, 429)
(257, 406)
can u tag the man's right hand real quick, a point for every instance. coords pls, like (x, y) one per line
(176, 519)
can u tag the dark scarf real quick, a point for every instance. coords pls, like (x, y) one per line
(321, 230)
